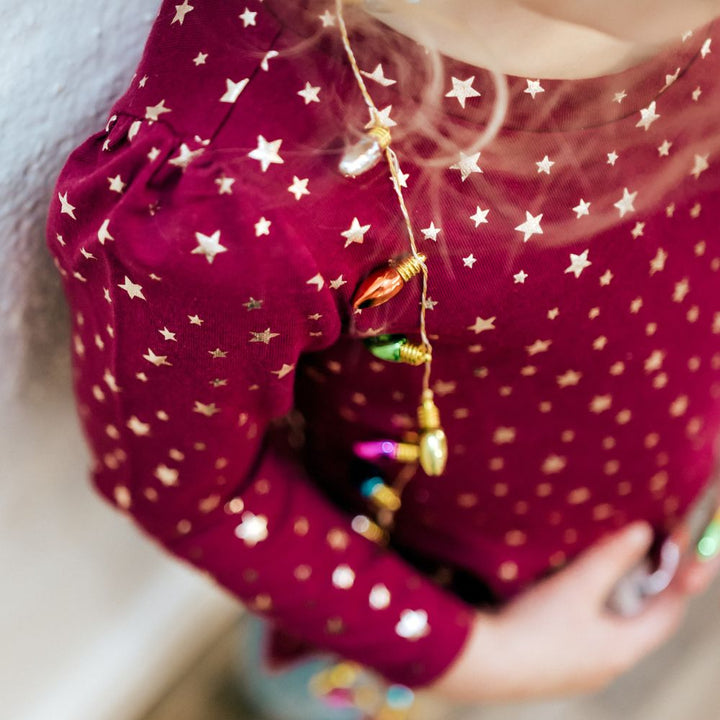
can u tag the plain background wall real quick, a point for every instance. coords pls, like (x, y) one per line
(93, 618)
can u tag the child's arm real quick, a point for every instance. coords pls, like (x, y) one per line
(187, 330)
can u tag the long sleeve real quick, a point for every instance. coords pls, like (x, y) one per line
(189, 320)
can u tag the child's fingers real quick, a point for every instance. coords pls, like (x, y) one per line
(695, 577)
(641, 634)
(599, 568)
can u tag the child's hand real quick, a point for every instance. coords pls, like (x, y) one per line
(694, 577)
(559, 638)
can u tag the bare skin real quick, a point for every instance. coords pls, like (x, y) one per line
(548, 38)
(559, 639)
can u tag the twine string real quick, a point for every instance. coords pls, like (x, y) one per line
(395, 170)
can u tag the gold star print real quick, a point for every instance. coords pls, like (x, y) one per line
(568, 378)
(132, 289)
(264, 337)
(378, 75)
(153, 112)
(267, 153)
(442, 388)
(185, 156)
(635, 305)
(533, 88)
(462, 90)
(600, 342)
(318, 280)
(638, 230)
(481, 325)
(538, 346)
(269, 55)
(544, 165)
(156, 360)
(503, 435)
(167, 334)
(327, 19)
(664, 149)
(606, 278)
(600, 403)
(338, 282)
(207, 410)
(531, 226)
(225, 184)
(355, 233)
(431, 232)
(553, 313)
(217, 354)
(467, 165)
(682, 288)
(582, 208)
(252, 529)
(233, 90)
(218, 382)
(299, 187)
(553, 464)
(283, 371)
(679, 406)
(138, 427)
(309, 93)
(65, 207)
(654, 361)
(253, 304)
(700, 166)
(209, 246)
(382, 117)
(181, 11)
(195, 320)
(578, 263)
(116, 184)
(167, 476)
(262, 227)
(343, 577)
(110, 382)
(647, 116)
(248, 17)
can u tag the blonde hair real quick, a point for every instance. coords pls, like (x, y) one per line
(430, 123)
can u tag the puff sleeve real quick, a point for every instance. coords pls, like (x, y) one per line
(188, 324)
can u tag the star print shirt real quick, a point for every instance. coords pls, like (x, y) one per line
(210, 249)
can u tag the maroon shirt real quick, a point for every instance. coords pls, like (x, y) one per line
(210, 249)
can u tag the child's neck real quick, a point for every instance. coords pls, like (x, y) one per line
(559, 39)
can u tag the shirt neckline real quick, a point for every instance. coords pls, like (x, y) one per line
(536, 105)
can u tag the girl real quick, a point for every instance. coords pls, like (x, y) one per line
(529, 217)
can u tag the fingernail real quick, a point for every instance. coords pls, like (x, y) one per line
(640, 534)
